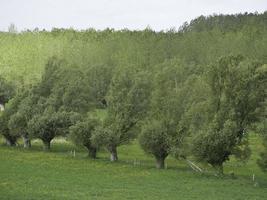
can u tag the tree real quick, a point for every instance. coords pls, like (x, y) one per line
(262, 162)
(11, 107)
(262, 125)
(7, 91)
(215, 146)
(38, 115)
(127, 101)
(163, 130)
(81, 132)
(51, 76)
(11, 139)
(98, 78)
(236, 95)
(49, 124)
(22, 110)
(155, 139)
(17, 125)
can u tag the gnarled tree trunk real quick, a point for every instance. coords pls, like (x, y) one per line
(160, 162)
(113, 154)
(219, 169)
(26, 141)
(160, 159)
(47, 145)
(2, 107)
(92, 152)
(10, 142)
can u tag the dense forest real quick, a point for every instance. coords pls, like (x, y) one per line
(197, 91)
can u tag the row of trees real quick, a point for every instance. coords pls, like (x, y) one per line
(173, 108)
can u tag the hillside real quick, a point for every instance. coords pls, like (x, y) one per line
(200, 42)
(177, 114)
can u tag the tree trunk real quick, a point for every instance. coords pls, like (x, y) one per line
(10, 142)
(160, 163)
(26, 141)
(219, 169)
(2, 108)
(46, 145)
(113, 154)
(92, 152)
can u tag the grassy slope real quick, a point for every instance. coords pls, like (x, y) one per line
(33, 174)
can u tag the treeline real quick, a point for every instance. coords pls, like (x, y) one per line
(187, 93)
(226, 23)
(23, 55)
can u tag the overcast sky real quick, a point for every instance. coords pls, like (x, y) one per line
(118, 14)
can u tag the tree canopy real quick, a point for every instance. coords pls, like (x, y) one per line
(196, 92)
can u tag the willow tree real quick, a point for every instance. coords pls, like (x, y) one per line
(127, 101)
(262, 127)
(236, 93)
(81, 133)
(7, 91)
(162, 131)
(10, 109)
(48, 125)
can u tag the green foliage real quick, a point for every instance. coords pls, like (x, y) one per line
(156, 139)
(158, 82)
(236, 95)
(21, 111)
(127, 102)
(98, 78)
(48, 125)
(214, 146)
(225, 23)
(262, 162)
(10, 109)
(81, 133)
(18, 124)
(169, 100)
(7, 91)
(262, 126)
(24, 55)
(11, 139)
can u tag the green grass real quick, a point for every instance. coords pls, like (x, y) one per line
(33, 174)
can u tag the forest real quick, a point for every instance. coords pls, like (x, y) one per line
(196, 94)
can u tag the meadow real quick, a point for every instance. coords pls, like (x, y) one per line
(194, 92)
(34, 174)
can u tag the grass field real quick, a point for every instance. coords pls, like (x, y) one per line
(33, 174)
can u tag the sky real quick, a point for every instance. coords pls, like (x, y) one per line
(117, 14)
